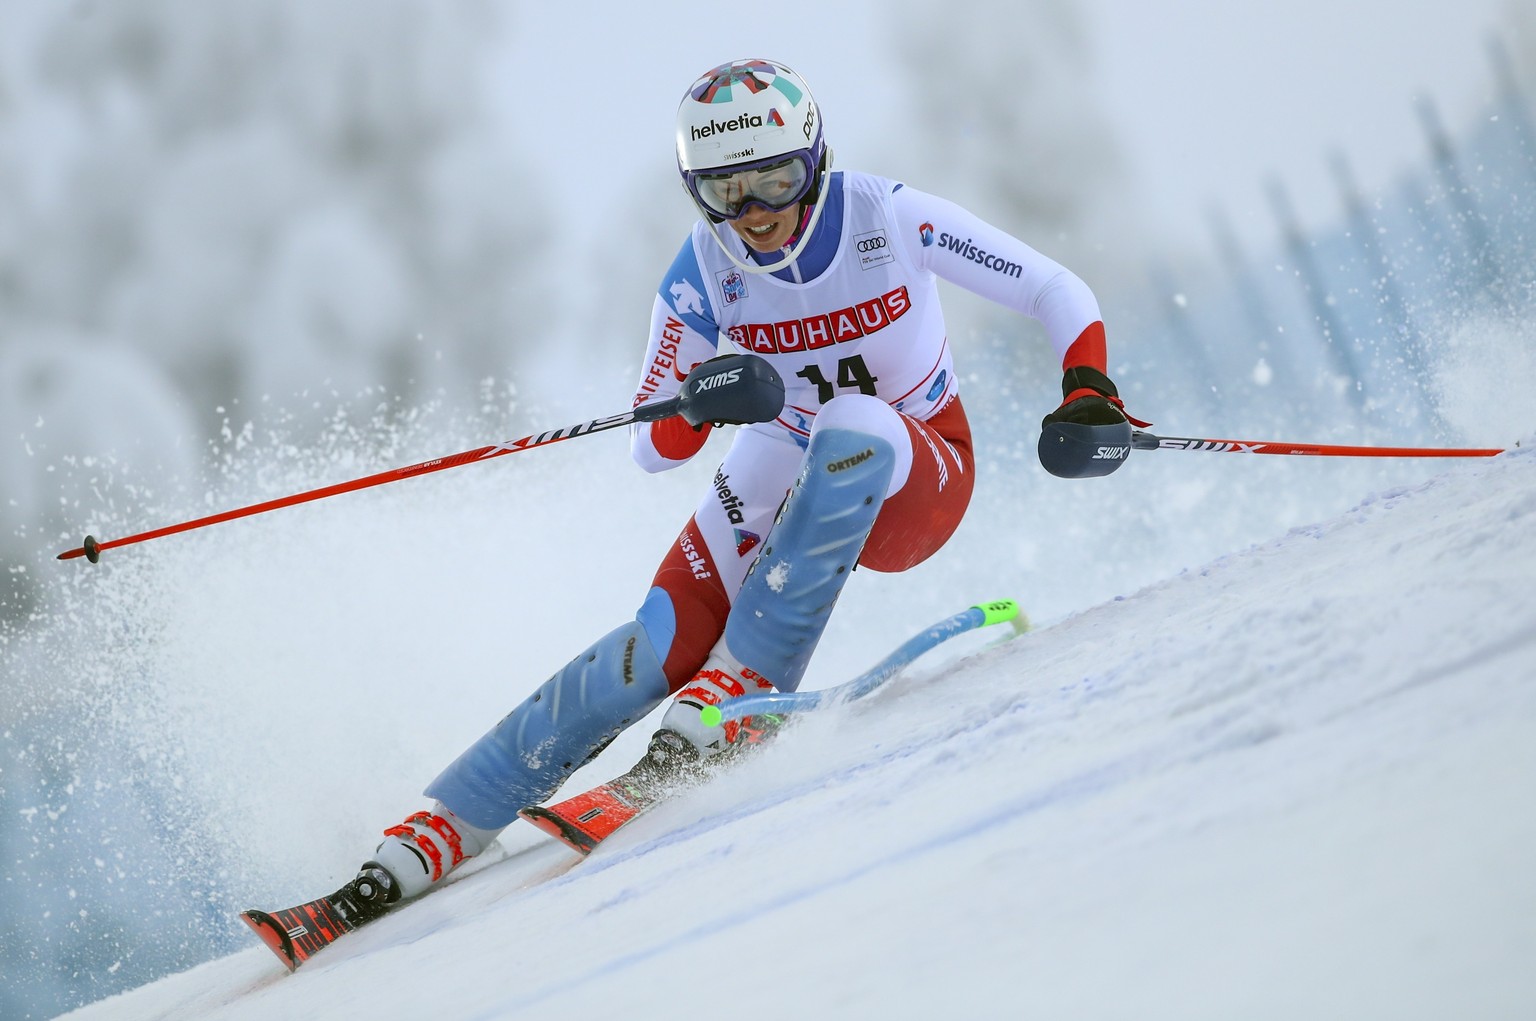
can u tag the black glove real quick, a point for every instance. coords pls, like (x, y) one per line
(1088, 397)
(1089, 434)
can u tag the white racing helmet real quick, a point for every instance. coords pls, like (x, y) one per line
(749, 134)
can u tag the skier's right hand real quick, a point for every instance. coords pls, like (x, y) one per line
(735, 389)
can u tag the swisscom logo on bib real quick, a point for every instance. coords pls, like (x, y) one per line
(873, 248)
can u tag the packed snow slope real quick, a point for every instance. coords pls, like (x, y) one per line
(1297, 782)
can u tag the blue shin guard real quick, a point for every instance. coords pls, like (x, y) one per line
(778, 616)
(573, 715)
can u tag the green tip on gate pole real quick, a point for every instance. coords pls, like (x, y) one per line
(998, 611)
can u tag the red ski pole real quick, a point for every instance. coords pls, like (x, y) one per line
(1146, 441)
(91, 549)
(735, 389)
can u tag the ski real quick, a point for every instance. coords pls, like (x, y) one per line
(583, 822)
(586, 820)
(297, 933)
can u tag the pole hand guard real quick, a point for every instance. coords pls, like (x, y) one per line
(1079, 450)
(736, 389)
(1090, 434)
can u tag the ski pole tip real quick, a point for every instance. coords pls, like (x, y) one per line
(90, 549)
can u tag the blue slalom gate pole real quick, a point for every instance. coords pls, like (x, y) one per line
(969, 619)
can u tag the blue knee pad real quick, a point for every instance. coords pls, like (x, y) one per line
(778, 616)
(530, 753)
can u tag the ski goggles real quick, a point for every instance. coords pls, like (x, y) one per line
(775, 183)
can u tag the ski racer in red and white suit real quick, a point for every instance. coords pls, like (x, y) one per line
(832, 278)
(856, 313)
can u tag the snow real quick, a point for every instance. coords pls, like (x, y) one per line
(253, 250)
(1293, 782)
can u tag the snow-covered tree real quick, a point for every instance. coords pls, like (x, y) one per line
(245, 202)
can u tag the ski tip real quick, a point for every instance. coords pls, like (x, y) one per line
(269, 932)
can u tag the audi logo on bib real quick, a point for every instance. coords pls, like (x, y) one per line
(873, 249)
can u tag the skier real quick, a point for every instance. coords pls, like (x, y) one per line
(831, 278)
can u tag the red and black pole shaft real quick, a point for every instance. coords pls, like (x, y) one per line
(1146, 441)
(92, 549)
(735, 389)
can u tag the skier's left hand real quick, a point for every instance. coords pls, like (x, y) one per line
(1089, 398)
(1089, 434)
